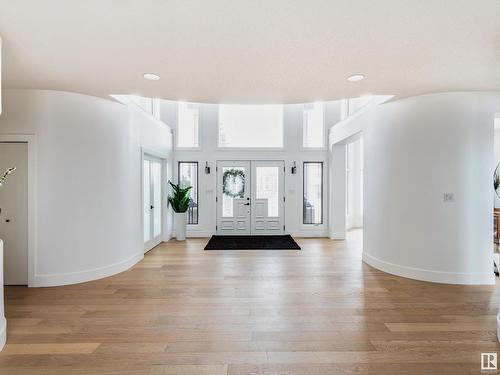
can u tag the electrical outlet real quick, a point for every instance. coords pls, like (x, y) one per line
(448, 197)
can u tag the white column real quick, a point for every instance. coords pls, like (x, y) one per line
(337, 227)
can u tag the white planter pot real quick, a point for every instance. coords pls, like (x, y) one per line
(180, 223)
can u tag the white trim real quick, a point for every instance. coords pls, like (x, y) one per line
(444, 277)
(308, 233)
(30, 139)
(3, 332)
(58, 279)
(198, 233)
(337, 236)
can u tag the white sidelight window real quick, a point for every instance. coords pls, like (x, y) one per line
(313, 193)
(188, 176)
(257, 126)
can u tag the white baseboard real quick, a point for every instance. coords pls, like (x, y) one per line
(311, 233)
(199, 233)
(3, 332)
(337, 236)
(428, 275)
(87, 275)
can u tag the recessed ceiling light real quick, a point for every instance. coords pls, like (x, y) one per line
(151, 76)
(356, 78)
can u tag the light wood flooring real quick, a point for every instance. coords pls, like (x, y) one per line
(184, 311)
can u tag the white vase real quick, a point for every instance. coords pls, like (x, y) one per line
(180, 223)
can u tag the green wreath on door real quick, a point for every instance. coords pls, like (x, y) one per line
(230, 178)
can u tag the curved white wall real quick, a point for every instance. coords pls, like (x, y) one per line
(88, 181)
(416, 150)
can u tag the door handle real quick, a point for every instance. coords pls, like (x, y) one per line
(246, 204)
(151, 207)
(7, 221)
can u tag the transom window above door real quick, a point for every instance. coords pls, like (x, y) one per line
(250, 126)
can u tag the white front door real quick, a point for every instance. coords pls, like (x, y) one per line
(152, 201)
(268, 196)
(250, 197)
(14, 212)
(233, 197)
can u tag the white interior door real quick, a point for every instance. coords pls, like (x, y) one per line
(233, 197)
(152, 201)
(268, 197)
(14, 213)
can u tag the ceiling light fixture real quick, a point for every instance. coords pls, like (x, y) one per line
(356, 78)
(151, 76)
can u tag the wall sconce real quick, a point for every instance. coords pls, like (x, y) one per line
(207, 168)
(294, 168)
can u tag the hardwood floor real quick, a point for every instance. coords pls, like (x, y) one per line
(183, 310)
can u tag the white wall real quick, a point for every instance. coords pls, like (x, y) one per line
(354, 202)
(497, 153)
(3, 322)
(292, 151)
(416, 150)
(88, 166)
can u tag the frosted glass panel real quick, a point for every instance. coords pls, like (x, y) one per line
(267, 187)
(250, 125)
(313, 193)
(233, 186)
(147, 200)
(156, 176)
(313, 127)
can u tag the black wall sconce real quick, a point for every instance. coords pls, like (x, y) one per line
(294, 168)
(207, 168)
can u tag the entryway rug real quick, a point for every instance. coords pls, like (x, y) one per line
(282, 242)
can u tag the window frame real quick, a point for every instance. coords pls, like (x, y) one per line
(176, 134)
(322, 192)
(197, 185)
(325, 131)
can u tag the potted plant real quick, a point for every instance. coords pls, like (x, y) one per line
(179, 200)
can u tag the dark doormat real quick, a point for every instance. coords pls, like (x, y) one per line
(285, 242)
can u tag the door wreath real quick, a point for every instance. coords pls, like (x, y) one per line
(233, 183)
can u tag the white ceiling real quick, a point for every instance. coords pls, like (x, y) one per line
(253, 51)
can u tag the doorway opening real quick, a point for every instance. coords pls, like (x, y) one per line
(250, 197)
